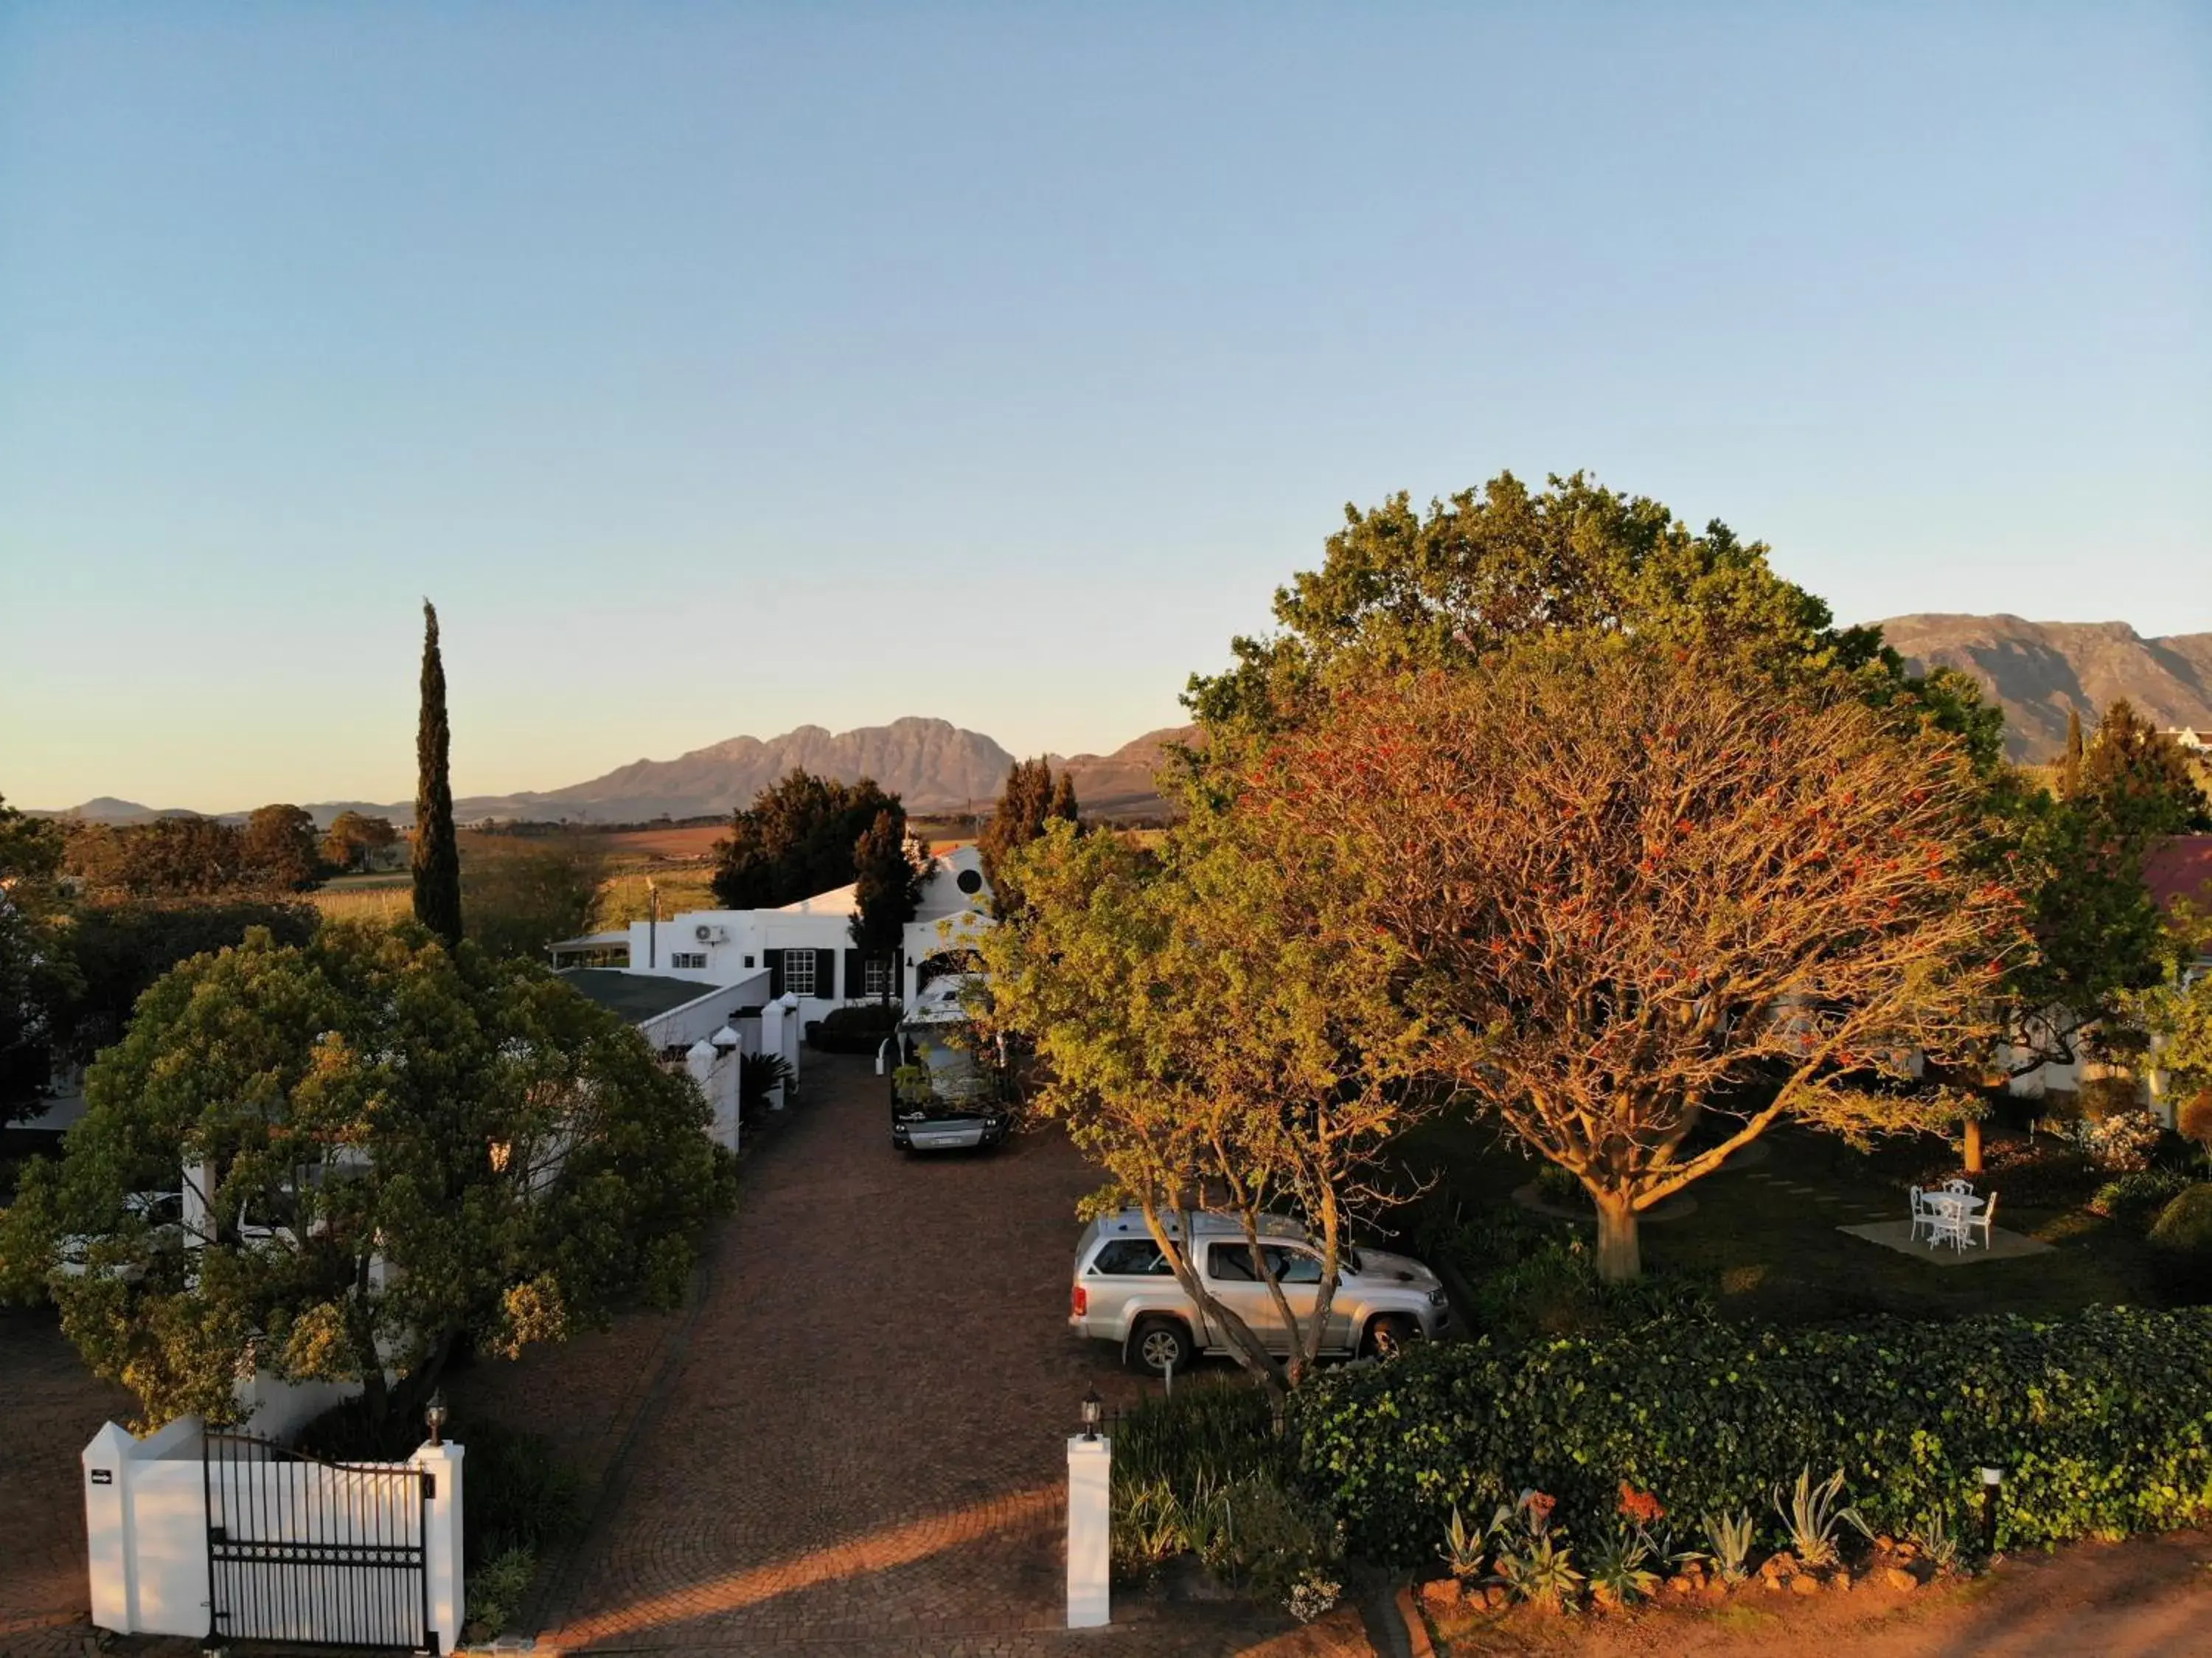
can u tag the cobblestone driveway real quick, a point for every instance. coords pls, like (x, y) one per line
(850, 1442)
(857, 1440)
(49, 1406)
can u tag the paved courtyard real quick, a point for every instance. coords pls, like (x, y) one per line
(854, 1437)
(52, 1406)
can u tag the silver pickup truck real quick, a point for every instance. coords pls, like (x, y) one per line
(1125, 1293)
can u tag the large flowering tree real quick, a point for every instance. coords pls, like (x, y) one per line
(1645, 904)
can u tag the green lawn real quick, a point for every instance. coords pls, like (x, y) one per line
(1764, 1233)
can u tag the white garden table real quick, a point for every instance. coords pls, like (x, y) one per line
(1953, 1210)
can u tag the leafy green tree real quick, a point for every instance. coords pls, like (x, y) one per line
(170, 857)
(400, 1147)
(36, 975)
(2141, 778)
(525, 892)
(122, 949)
(355, 839)
(281, 851)
(437, 851)
(1032, 799)
(1211, 1033)
(796, 839)
(889, 870)
(1636, 894)
(2101, 941)
(1402, 590)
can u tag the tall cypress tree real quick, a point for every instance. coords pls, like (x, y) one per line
(437, 853)
(2069, 769)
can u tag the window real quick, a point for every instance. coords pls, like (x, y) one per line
(691, 959)
(1293, 1266)
(1130, 1257)
(798, 972)
(876, 976)
(749, 962)
(1230, 1264)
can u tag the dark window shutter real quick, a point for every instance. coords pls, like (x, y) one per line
(774, 961)
(856, 982)
(825, 974)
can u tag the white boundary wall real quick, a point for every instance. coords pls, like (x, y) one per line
(146, 1529)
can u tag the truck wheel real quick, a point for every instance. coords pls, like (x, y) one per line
(1394, 1332)
(1157, 1343)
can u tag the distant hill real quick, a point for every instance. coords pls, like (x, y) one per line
(2039, 671)
(932, 765)
(1120, 784)
(108, 809)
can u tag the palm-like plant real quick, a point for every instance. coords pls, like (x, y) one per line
(1728, 1539)
(1813, 1515)
(1464, 1547)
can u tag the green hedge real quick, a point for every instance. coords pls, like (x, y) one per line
(2102, 1421)
(857, 1027)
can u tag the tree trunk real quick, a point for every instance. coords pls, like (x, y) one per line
(1973, 1145)
(1619, 1258)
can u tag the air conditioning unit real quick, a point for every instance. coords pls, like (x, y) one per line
(707, 935)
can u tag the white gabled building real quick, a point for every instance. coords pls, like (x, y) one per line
(806, 949)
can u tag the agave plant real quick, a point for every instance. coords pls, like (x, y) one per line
(1463, 1549)
(1538, 1564)
(1937, 1544)
(1813, 1516)
(1622, 1566)
(1728, 1539)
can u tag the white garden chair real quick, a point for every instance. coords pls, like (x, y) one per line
(1982, 1222)
(1964, 1188)
(1923, 1215)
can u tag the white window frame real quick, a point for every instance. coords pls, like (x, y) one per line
(876, 976)
(792, 959)
(687, 958)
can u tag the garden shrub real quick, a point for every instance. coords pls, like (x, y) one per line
(2102, 1421)
(2119, 1143)
(1205, 1431)
(2134, 1199)
(1555, 1185)
(2103, 1097)
(2183, 1238)
(495, 1589)
(859, 1027)
(519, 1494)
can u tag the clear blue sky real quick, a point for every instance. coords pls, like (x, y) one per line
(718, 368)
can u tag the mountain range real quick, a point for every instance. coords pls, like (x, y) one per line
(2039, 672)
(932, 765)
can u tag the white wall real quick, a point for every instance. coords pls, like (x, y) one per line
(680, 1027)
(146, 1529)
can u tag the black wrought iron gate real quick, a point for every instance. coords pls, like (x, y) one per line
(312, 1552)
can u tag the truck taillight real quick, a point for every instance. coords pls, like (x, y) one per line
(1080, 1302)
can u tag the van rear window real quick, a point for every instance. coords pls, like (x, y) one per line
(1130, 1257)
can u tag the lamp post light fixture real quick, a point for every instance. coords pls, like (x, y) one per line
(433, 1415)
(1991, 1479)
(1094, 1411)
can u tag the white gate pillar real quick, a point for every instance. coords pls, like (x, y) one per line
(441, 1541)
(1090, 1531)
(107, 1528)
